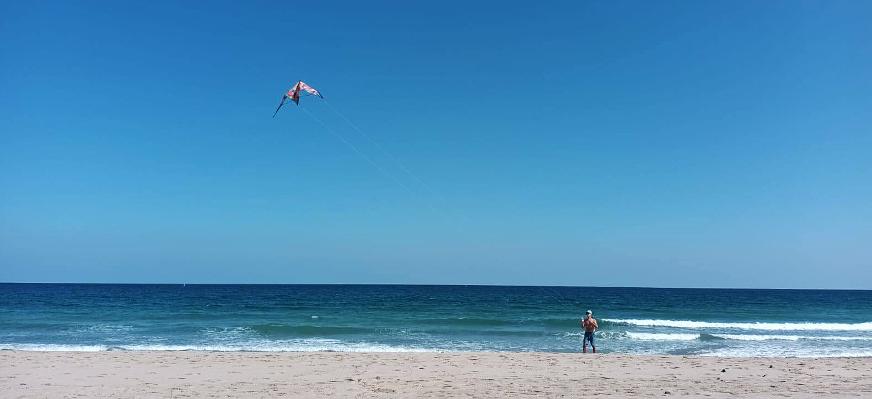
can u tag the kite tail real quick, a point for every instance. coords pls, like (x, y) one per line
(385, 152)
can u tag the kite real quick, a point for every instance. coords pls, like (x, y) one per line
(294, 94)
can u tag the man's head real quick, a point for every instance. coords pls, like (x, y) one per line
(588, 314)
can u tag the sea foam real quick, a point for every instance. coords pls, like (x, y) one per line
(301, 345)
(661, 336)
(689, 324)
(756, 337)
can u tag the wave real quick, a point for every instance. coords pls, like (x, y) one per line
(556, 322)
(735, 337)
(756, 337)
(328, 345)
(305, 345)
(785, 352)
(689, 324)
(494, 322)
(53, 347)
(662, 337)
(104, 328)
(307, 330)
(464, 321)
(643, 336)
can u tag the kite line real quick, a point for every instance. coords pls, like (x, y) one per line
(294, 95)
(384, 152)
(357, 150)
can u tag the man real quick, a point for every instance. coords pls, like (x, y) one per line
(589, 325)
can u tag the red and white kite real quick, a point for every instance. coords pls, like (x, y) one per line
(294, 94)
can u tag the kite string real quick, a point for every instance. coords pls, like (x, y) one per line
(383, 150)
(356, 150)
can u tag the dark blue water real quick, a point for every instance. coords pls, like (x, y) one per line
(446, 318)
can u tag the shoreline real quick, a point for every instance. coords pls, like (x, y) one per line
(605, 354)
(422, 374)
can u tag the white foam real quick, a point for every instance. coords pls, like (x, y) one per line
(757, 337)
(106, 328)
(786, 352)
(54, 347)
(662, 337)
(230, 334)
(753, 337)
(301, 345)
(867, 326)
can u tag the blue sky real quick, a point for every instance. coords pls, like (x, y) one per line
(704, 144)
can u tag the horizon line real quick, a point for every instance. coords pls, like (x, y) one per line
(450, 285)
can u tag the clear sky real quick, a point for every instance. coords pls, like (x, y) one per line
(704, 144)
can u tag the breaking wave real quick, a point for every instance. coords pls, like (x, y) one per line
(303, 345)
(689, 324)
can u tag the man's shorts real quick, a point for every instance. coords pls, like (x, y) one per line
(588, 337)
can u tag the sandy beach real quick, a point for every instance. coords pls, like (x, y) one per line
(319, 374)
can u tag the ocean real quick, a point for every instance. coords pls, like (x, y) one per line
(705, 322)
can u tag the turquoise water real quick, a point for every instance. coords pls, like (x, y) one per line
(712, 322)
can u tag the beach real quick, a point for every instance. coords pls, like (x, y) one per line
(250, 341)
(202, 374)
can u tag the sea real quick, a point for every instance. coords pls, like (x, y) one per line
(400, 318)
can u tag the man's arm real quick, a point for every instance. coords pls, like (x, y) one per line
(595, 326)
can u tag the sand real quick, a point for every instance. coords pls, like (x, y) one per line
(407, 375)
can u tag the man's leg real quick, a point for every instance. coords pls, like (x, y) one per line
(592, 346)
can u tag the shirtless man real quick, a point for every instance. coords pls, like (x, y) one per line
(589, 325)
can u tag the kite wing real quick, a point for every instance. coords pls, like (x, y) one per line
(309, 89)
(280, 105)
(294, 94)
